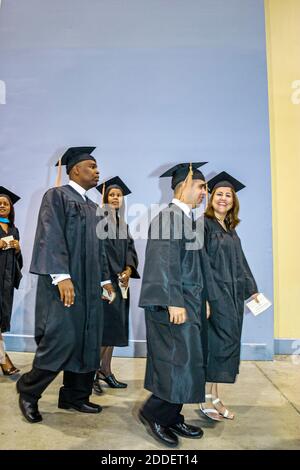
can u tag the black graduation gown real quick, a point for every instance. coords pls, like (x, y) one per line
(173, 276)
(11, 264)
(234, 283)
(120, 253)
(68, 338)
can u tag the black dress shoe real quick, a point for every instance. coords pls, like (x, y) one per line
(111, 380)
(87, 407)
(30, 411)
(160, 433)
(97, 387)
(187, 430)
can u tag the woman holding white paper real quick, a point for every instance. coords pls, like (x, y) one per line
(123, 262)
(10, 270)
(234, 283)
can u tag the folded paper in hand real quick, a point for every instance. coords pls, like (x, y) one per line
(124, 290)
(259, 307)
(8, 239)
(111, 297)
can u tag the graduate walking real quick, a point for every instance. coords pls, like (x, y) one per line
(11, 263)
(70, 261)
(234, 283)
(171, 295)
(123, 262)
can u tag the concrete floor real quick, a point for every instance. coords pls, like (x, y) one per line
(266, 400)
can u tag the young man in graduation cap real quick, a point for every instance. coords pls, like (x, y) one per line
(71, 263)
(171, 295)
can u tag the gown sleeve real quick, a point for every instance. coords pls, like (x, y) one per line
(162, 278)
(132, 257)
(19, 264)
(210, 293)
(105, 271)
(209, 289)
(50, 252)
(250, 284)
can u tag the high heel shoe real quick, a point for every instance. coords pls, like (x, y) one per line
(96, 384)
(111, 380)
(12, 370)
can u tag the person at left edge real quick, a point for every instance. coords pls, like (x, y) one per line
(71, 263)
(11, 263)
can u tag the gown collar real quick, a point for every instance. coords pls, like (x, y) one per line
(78, 188)
(183, 206)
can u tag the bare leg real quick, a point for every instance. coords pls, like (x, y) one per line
(96, 385)
(106, 358)
(6, 364)
(219, 406)
(2, 350)
(208, 408)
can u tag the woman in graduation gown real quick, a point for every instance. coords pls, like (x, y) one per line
(123, 263)
(234, 283)
(10, 270)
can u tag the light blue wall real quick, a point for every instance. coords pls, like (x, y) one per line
(150, 83)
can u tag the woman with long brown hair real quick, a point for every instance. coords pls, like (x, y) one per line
(10, 270)
(234, 284)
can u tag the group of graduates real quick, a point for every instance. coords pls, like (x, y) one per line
(196, 279)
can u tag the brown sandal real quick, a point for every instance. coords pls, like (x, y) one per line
(12, 370)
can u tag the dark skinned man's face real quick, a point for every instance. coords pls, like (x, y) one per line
(86, 174)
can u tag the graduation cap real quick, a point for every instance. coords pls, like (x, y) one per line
(224, 180)
(5, 192)
(71, 157)
(115, 182)
(75, 155)
(181, 171)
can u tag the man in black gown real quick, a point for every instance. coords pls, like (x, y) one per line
(172, 288)
(71, 263)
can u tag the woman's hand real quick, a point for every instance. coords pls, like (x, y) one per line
(254, 297)
(3, 244)
(15, 245)
(125, 276)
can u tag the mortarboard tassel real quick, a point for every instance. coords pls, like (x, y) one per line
(187, 180)
(103, 194)
(58, 176)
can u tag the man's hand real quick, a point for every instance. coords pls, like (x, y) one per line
(15, 245)
(178, 315)
(67, 292)
(111, 291)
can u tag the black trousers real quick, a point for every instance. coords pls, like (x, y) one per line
(76, 387)
(162, 412)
